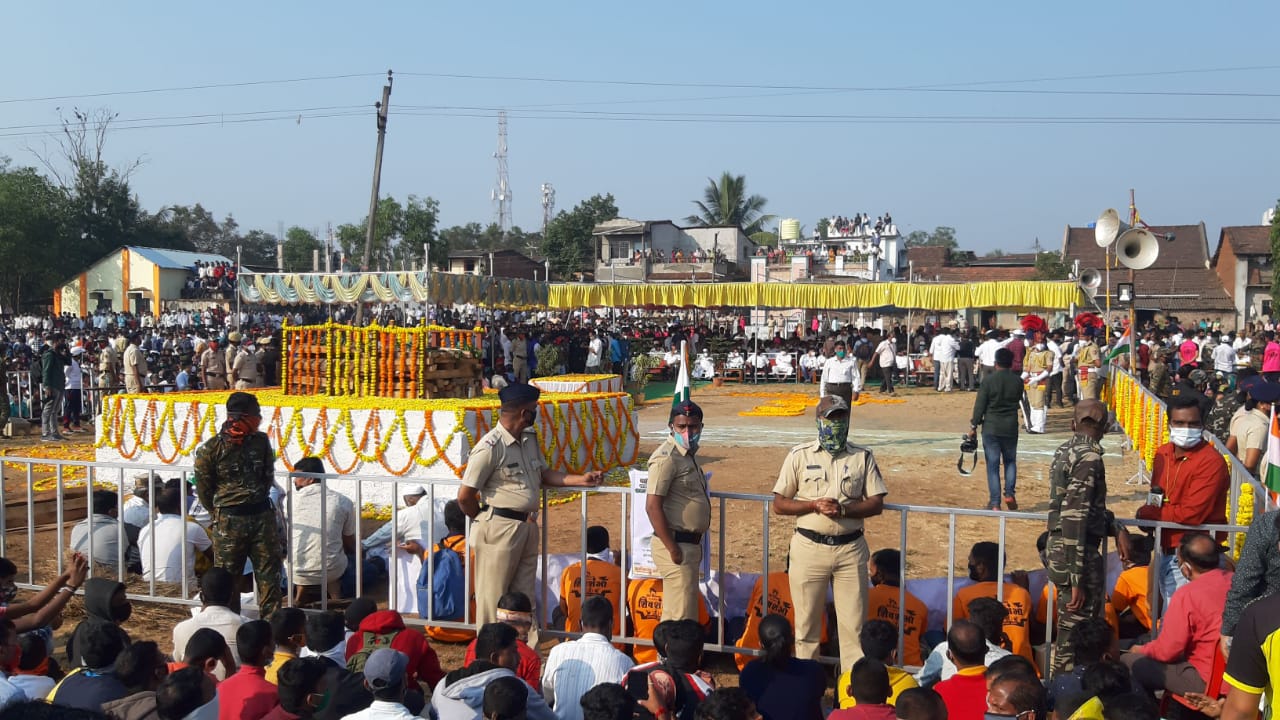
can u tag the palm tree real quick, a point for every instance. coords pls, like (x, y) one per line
(726, 203)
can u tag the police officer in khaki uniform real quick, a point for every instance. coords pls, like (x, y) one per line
(500, 490)
(830, 485)
(108, 365)
(680, 511)
(213, 371)
(247, 369)
(229, 356)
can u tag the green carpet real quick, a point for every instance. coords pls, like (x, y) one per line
(665, 388)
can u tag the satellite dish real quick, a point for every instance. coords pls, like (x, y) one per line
(1269, 216)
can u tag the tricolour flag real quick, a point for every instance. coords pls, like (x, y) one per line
(1122, 345)
(1271, 473)
(681, 393)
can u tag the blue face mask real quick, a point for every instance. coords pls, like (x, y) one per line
(686, 439)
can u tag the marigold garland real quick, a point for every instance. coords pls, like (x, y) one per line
(1244, 516)
(600, 428)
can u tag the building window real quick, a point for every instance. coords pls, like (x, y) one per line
(619, 250)
(469, 265)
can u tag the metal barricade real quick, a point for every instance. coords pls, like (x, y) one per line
(36, 471)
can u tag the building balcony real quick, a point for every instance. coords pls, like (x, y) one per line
(627, 271)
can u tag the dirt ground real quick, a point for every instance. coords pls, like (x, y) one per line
(915, 442)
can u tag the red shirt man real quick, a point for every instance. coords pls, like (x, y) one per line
(423, 663)
(965, 693)
(1195, 481)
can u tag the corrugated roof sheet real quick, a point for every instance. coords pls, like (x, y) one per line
(176, 259)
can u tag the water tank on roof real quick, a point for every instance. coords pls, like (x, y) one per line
(789, 230)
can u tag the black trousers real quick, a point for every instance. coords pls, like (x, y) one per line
(1055, 389)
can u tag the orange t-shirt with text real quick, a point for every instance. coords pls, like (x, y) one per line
(779, 604)
(603, 579)
(1042, 612)
(644, 601)
(882, 604)
(1130, 593)
(1017, 600)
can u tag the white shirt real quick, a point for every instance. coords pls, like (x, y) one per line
(169, 532)
(382, 710)
(839, 370)
(986, 352)
(34, 686)
(75, 376)
(1057, 358)
(734, 361)
(106, 538)
(594, 349)
(217, 617)
(575, 667)
(136, 511)
(887, 351)
(318, 558)
(1224, 358)
(943, 348)
(10, 694)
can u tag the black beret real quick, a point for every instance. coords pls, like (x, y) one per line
(688, 408)
(1263, 391)
(242, 403)
(518, 394)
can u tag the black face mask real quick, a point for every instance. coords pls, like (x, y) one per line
(974, 575)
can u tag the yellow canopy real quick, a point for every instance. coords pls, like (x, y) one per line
(1015, 295)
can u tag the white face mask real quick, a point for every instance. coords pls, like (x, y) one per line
(1186, 438)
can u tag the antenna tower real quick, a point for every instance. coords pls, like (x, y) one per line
(502, 193)
(548, 206)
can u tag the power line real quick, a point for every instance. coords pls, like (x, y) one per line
(185, 88)
(165, 118)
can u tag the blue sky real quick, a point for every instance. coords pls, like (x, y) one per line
(1001, 185)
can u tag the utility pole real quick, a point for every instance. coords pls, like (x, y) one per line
(502, 193)
(381, 109)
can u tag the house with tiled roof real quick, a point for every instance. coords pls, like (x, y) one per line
(1180, 284)
(1243, 264)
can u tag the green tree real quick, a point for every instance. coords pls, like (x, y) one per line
(942, 236)
(1275, 252)
(766, 238)
(568, 241)
(398, 235)
(824, 227)
(299, 245)
(259, 250)
(34, 236)
(997, 253)
(916, 238)
(725, 202)
(1049, 266)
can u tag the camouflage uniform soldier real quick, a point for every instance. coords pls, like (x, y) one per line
(1078, 522)
(1225, 405)
(234, 480)
(1159, 373)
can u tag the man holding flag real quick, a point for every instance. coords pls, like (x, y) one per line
(678, 503)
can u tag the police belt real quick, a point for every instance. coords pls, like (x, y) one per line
(829, 539)
(507, 513)
(840, 385)
(684, 537)
(252, 508)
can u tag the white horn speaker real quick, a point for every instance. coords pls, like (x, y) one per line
(1090, 281)
(1137, 248)
(1108, 227)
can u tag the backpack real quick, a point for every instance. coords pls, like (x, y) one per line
(447, 586)
(862, 350)
(372, 641)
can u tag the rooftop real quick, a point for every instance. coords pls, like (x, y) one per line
(176, 259)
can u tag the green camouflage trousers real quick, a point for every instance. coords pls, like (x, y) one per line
(1093, 587)
(237, 538)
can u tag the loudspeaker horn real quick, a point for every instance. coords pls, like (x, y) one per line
(1090, 281)
(1137, 248)
(1108, 227)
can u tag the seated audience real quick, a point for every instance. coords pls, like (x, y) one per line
(988, 614)
(675, 685)
(1091, 642)
(43, 609)
(506, 698)
(10, 693)
(1102, 683)
(217, 590)
(160, 542)
(460, 695)
(187, 694)
(780, 685)
(207, 650)
(289, 631)
(140, 667)
(106, 605)
(1129, 596)
(604, 578)
(386, 628)
(779, 604)
(576, 666)
(1017, 694)
(33, 674)
(326, 638)
(609, 701)
(319, 560)
(919, 703)
(644, 604)
(726, 704)
(247, 695)
(516, 610)
(1180, 658)
(304, 689)
(965, 693)
(454, 540)
(882, 604)
(108, 532)
(93, 682)
(984, 568)
(879, 641)
(869, 687)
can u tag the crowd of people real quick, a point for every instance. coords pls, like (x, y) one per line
(210, 279)
(860, 225)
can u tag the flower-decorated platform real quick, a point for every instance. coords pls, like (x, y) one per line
(401, 438)
(578, 384)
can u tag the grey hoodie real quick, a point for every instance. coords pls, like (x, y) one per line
(464, 698)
